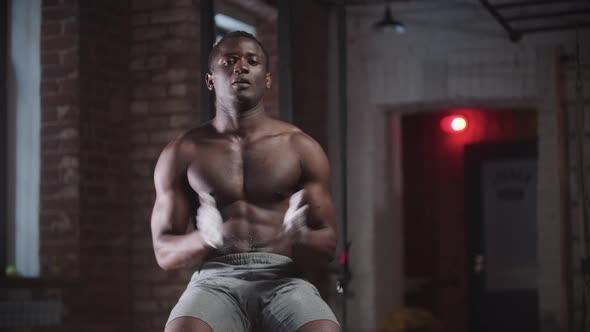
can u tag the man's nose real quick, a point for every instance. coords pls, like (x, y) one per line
(241, 67)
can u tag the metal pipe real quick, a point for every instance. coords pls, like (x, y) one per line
(512, 34)
(342, 64)
(547, 15)
(530, 3)
(567, 26)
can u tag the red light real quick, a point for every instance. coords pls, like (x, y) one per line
(343, 258)
(458, 124)
(454, 124)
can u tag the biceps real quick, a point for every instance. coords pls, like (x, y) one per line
(321, 208)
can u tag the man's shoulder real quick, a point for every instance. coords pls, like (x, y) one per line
(289, 130)
(297, 138)
(193, 135)
(186, 142)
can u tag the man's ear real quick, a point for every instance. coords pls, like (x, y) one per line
(268, 82)
(209, 81)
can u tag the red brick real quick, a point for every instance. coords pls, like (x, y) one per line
(69, 57)
(58, 71)
(138, 50)
(58, 100)
(70, 27)
(156, 62)
(145, 153)
(183, 29)
(50, 28)
(149, 92)
(181, 3)
(181, 121)
(181, 60)
(149, 4)
(178, 90)
(171, 75)
(57, 13)
(140, 107)
(50, 3)
(139, 19)
(175, 105)
(68, 86)
(149, 32)
(163, 136)
(142, 76)
(49, 58)
(169, 291)
(137, 64)
(58, 43)
(49, 88)
(168, 46)
(173, 15)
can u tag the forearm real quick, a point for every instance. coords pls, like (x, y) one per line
(181, 251)
(315, 248)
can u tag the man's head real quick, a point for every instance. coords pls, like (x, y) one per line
(239, 34)
(238, 71)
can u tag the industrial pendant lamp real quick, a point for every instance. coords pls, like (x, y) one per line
(389, 24)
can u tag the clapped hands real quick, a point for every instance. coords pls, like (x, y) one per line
(209, 221)
(294, 221)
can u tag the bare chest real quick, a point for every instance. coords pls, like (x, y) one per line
(263, 171)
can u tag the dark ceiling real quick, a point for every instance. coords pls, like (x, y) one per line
(517, 17)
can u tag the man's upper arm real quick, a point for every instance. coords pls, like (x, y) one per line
(315, 181)
(172, 207)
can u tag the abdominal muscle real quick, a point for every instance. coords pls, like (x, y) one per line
(251, 228)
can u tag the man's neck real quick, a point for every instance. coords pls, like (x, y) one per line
(241, 123)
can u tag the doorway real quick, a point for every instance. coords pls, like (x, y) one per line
(501, 228)
(436, 258)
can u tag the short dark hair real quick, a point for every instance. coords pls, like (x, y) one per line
(238, 34)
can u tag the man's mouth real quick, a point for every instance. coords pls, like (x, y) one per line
(241, 81)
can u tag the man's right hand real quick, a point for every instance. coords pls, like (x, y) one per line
(294, 222)
(209, 221)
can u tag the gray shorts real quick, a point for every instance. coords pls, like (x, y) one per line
(251, 291)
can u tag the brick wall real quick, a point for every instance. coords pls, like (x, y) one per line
(309, 51)
(60, 146)
(60, 154)
(105, 229)
(84, 227)
(85, 233)
(165, 78)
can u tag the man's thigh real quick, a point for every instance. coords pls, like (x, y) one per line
(216, 309)
(320, 326)
(295, 304)
(187, 324)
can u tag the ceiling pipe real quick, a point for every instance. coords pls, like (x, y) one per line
(512, 34)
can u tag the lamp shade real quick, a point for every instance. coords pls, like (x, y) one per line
(389, 24)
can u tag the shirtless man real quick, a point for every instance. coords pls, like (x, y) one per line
(257, 190)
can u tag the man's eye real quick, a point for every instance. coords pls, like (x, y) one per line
(253, 62)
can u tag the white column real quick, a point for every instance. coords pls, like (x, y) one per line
(24, 116)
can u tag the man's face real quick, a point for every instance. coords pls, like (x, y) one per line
(238, 73)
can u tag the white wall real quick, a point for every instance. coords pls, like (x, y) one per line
(457, 57)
